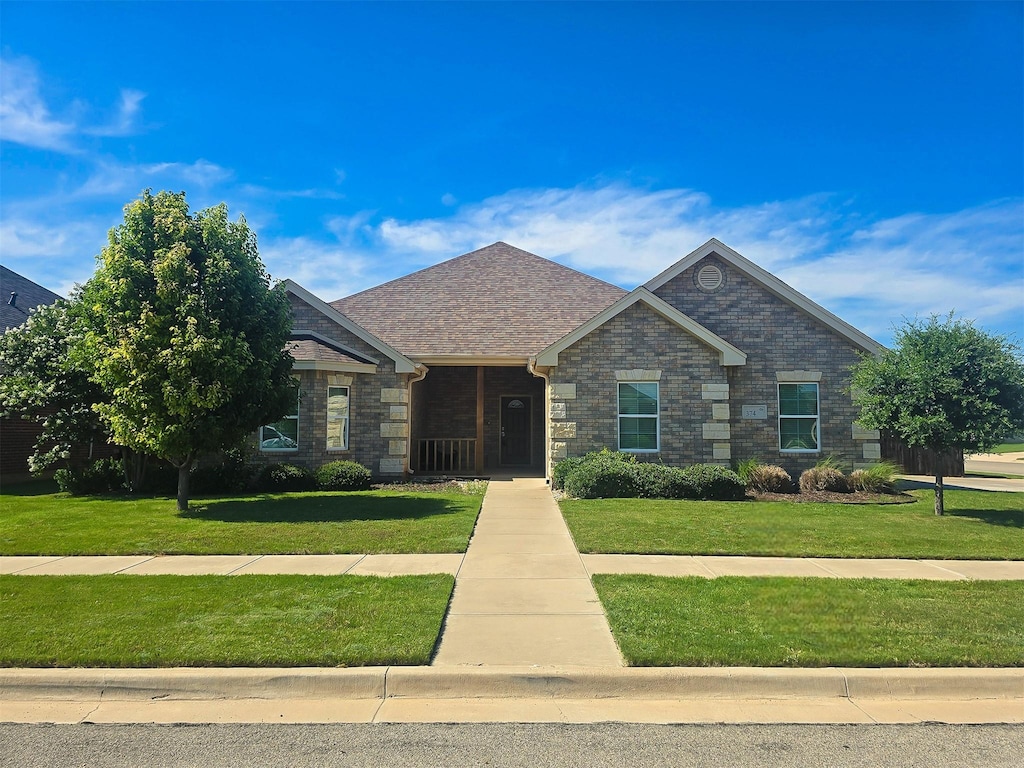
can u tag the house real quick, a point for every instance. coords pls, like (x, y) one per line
(17, 436)
(502, 360)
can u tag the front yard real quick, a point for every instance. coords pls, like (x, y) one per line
(977, 525)
(796, 622)
(372, 522)
(197, 621)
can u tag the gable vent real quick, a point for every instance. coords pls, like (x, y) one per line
(709, 278)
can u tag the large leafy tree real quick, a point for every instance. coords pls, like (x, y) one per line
(185, 333)
(944, 385)
(44, 383)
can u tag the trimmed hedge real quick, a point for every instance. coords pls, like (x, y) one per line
(343, 476)
(714, 482)
(608, 474)
(285, 477)
(102, 476)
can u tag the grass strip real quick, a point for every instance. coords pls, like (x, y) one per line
(200, 621)
(811, 622)
(371, 522)
(977, 525)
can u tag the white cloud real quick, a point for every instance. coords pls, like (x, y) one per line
(112, 178)
(871, 273)
(124, 121)
(24, 116)
(448, 199)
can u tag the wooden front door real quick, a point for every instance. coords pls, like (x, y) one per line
(515, 431)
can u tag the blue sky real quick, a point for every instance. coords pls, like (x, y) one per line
(871, 155)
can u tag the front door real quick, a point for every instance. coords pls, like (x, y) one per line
(515, 431)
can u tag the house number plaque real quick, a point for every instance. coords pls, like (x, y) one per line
(755, 411)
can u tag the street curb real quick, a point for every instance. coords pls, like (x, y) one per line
(636, 683)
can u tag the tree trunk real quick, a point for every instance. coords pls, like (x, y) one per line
(184, 476)
(939, 501)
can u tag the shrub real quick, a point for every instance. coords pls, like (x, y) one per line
(285, 477)
(714, 482)
(878, 478)
(604, 475)
(658, 481)
(768, 478)
(562, 469)
(343, 476)
(823, 478)
(102, 476)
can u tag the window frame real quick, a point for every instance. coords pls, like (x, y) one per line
(348, 419)
(816, 417)
(287, 417)
(656, 416)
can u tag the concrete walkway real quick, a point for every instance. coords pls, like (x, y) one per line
(523, 596)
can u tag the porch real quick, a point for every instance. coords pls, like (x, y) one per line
(472, 420)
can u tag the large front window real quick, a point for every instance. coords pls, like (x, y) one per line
(283, 434)
(798, 417)
(638, 416)
(337, 418)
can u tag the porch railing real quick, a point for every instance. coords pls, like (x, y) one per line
(445, 454)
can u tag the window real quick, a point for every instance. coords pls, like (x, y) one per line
(337, 418)
(638, 416)
(283, 434)
(798, 417)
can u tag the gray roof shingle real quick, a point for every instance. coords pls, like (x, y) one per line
(30, 295)
(495, 301)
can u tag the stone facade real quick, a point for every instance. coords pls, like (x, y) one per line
(376, 413)
(584, 388)
(776, 337)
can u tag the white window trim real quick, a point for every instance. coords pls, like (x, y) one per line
(619, 416)
(817, 415)
(348, 417)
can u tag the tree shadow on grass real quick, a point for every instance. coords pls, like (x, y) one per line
(1007, 518)
(29, 488)
(319, 509)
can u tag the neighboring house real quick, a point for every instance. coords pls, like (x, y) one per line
(19, 296)
(503, 360)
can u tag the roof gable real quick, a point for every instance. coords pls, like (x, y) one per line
(402, 363)
(728, 354)
(30, 296)
(771, 284)
(495, 302)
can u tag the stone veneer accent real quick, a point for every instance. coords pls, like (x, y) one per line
(371, 396)
(776, 337)
(586, 380)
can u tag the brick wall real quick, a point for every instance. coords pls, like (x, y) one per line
(776, 337)
(584, 387)
(378, 406)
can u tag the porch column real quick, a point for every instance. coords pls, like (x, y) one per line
(479, 420)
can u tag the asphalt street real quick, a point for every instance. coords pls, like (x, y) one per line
(615, 745)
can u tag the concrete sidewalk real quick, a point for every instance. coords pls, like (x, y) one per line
(517, 584)
(522, 595)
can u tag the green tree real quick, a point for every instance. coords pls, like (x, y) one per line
(185, 333)
(945, 385)
(41, 382)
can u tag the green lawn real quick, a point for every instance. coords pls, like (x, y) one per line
(788, 622)
(1008, 448)
(372, 522)
(977, 525)
(224, 621)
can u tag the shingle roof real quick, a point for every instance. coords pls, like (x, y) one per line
(496, 301)
(307, 348)
(29, 295)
